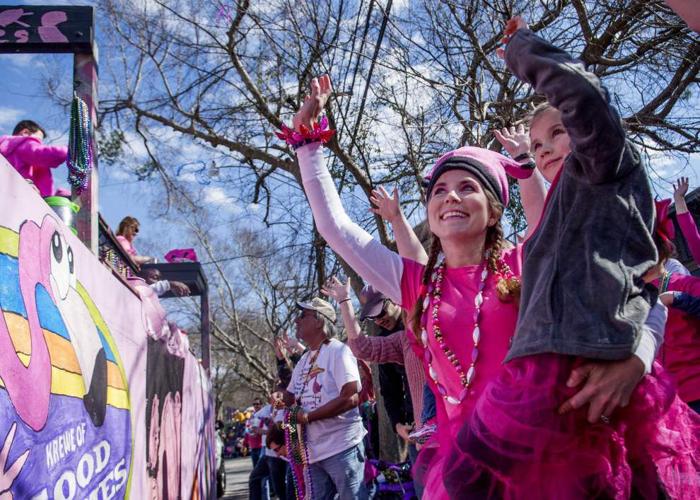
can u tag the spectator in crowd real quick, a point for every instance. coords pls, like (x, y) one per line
(680, 351)
(398, 364)
(253, 437)
(685, 219)
(270, 466)
(326, 385)
(126, 233)
(33, 160)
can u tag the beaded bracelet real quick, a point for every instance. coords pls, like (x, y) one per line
(319, 133)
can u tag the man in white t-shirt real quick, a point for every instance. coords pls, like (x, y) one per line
(326, 384)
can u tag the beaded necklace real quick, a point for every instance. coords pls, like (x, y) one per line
(435, 292)
(298, 452)
(79, 145)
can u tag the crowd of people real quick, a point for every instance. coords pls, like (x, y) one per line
(565, 364)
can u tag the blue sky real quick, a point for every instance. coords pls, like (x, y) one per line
(23, 94)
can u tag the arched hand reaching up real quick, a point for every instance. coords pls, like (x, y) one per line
(680, 188)
(515, 140)
(336, 289)
(321, 90)
(385, 205)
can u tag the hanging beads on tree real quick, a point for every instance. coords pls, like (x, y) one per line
(79, 146)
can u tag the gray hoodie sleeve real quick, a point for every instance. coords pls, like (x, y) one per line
(597, 137)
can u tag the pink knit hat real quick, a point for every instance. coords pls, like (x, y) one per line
(489, 167)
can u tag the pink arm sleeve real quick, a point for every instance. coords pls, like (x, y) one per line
(36, 154)
(378, 265)
(690, 233)
(378, 349)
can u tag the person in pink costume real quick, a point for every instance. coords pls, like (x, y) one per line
(32, 159)
(466, 325)
(680, 353)
(685, 219)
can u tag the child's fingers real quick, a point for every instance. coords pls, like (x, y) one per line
(499, 136)
(385, 193)
(521, 129)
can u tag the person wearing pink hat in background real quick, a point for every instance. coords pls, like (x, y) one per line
(32, 159)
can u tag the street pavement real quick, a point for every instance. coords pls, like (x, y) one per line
(237, 472)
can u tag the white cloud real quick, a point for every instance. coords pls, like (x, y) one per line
(8, 118)
(20, 60)
(214, 195)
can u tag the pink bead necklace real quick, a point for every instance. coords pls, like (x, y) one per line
(435, 293)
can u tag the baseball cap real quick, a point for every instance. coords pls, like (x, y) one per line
(320, 306)
(373, 302)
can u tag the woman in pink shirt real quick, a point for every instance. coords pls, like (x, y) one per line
(127, 231)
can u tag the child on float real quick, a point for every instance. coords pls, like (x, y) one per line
(25, 151)
(463, 302)
(583, 304)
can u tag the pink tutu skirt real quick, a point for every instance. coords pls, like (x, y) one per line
(517, 446)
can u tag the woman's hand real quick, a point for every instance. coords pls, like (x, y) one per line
(321, 90)
(680, 188)
(386, 206)
(336, 289)
(609, 384)
(515, 140)
(513, 25)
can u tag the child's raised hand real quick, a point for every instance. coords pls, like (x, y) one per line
(336, 289)
(387, 206)
(680, 188)
(515, 140)
(321, 90)
(514, 24)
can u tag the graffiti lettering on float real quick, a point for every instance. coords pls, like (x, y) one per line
(65, 424)
(76, 483)
(65, 444)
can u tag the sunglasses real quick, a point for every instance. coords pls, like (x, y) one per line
(275, 447)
